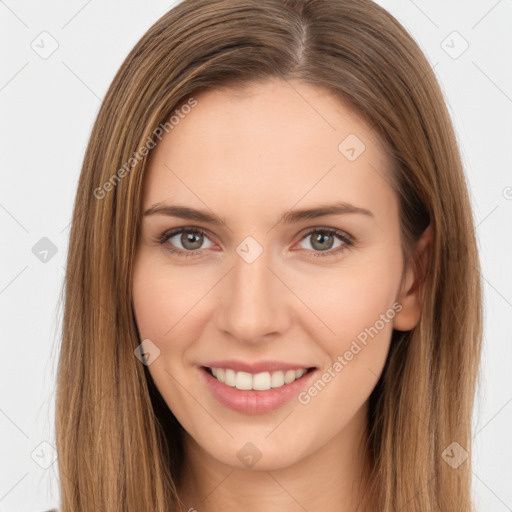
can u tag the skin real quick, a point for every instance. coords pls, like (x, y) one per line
(247, 157)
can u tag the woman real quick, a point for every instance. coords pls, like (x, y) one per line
(272, 294)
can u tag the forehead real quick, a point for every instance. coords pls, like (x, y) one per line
(271, 143)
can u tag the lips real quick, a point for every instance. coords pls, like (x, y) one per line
(255, 388)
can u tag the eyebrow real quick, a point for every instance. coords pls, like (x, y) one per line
(288, 217)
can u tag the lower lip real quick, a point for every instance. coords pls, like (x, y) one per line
(254, 402)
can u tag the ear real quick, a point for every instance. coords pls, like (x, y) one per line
(409, 295)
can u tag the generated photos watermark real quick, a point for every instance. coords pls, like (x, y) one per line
(304, 397)
(174, 120)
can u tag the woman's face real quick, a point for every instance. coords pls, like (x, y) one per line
(257, 287)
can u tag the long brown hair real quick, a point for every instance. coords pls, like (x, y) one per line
(119, 446)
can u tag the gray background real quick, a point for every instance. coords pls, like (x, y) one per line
(47, 106)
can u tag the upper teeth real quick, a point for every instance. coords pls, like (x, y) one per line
(259, 381)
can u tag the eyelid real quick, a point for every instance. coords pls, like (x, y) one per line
(326, 229)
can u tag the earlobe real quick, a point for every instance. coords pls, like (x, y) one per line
(409, 296)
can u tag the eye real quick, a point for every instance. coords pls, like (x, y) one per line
(190, 239)
(323, 240)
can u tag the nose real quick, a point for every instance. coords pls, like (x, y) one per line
(254, 302)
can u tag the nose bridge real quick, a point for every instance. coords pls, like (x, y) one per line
(253, 302)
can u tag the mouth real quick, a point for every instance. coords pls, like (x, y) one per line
(261, 381)
(256, 391)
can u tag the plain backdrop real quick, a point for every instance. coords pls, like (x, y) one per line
(57, 60)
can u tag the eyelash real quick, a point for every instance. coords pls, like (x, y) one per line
(344, 237)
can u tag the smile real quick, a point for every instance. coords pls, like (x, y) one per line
(256, 381)
(255, 392)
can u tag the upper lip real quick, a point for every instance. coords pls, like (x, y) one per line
(257, 366)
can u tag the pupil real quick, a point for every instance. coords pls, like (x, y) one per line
(188, 238)
(321, 238)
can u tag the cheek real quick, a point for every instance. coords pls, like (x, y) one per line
(363, 301)
(163, 302)
(156, 307)
(358, 304)
(163, 298)
(352, 297)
